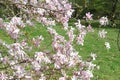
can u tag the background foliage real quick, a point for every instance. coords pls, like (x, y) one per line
(99, 8)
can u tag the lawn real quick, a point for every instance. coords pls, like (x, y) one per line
(108, 60)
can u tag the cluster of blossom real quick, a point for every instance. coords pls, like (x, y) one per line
(39, 58)
(67, 56)
(71, 34)
(104, 21)
(85, 74)
(18, 60)
(88, 17)
(82, 29)
(45, 21)
(102, 34)
(16, 51)
(63, 58)
(65, 53)
(63, 10)
(3, 76)
(15, 55)
(13, 27)
(82, 33)
(43, 10)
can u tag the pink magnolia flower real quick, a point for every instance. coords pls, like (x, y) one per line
(41, 57)
(71, 35)
(3, 76)
(17, 21)
(79, 25)
(69, 13)
(36, 41)
(90, 29)
(102, 33)
(86, 75)
(36, 66)
(16, 50)
(88, 16)
(20, 71)
(80, 39)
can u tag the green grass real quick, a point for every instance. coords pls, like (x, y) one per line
(108, 60)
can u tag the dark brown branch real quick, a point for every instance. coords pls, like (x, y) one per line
(21, 62)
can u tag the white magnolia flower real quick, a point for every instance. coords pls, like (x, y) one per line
(107, 45)
(86, 75)
(104, 21)
(93, 56)
(102, 33)
(74, 77)
(62, 78)
(48, 1)
(90, 29)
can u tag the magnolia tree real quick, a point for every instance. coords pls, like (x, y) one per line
(64, 62)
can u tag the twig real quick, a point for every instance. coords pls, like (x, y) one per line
(24, 61)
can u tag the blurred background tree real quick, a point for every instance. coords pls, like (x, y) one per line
(97, 7)
(8, 9)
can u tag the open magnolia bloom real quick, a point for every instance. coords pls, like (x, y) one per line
(107, 45)
(104, 21)
(102, 34)
(88, 16)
